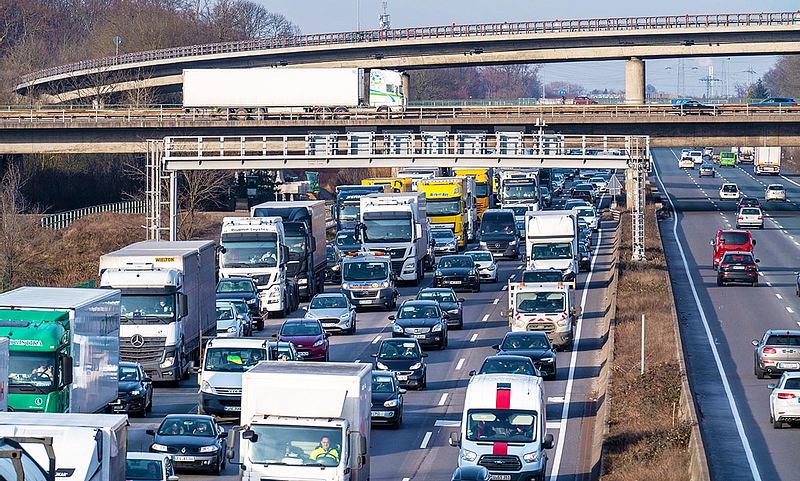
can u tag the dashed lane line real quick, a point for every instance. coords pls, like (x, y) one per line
(485, 318)
(474, 337)
(377, 338)
(443, 399)
(426, 440)
(460, 364)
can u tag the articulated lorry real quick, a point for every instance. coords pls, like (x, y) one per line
(551, 241)
(483, 187)
(288, 408)
(348, 202)
(397, 224)
(767, 161)
(168, 303)
(305, 231)
(86, 447)
(63, 348)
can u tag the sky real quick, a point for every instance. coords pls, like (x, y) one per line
(318, 16)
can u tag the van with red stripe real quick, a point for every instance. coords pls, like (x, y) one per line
(504, 427)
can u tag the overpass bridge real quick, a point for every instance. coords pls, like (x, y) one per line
(627, 38)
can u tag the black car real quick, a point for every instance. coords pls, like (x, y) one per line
(333, 272)
(421, 320)
(534, 345)
(693, 106)
(195, 441)
(507, 364)
(387, 399)
(584, 257)
(458, 271)
(471, 473)
(737, 267)
(134, 390)
(243, 288)
(346, 242)
(450, 304)
(405, 358)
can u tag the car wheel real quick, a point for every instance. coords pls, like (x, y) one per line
(353, 327)
(460, 324)
(797, 291)
(777, 424)
(397, 423)
(760, 374)
(754, 284)
(719, 281)
(260, 325)
(217, 469)
(327, 356)
(149, 407)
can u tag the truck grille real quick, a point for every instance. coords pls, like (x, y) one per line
(500, 463)
(229, 391)
(364, 294)
(396, 266)
(541, 326)
(148, 354)
(397, 253)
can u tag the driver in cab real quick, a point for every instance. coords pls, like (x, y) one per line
(324, 450)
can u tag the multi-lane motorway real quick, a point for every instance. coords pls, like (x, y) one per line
(718, 323)
(419, 449)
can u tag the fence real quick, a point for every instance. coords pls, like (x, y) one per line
(64, 219)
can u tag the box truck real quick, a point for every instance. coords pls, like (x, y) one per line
(289, 408)
(767, 160)
(551, 241)
(63, 348)
(168, 303)
(87, 447)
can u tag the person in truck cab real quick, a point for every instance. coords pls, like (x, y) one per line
(324, 450)
(164, 307)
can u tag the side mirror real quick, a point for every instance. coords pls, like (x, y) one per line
(275, 335)
(326, 335)
(711, 242)
(771, 386)
(250, 435)
(496, 347)
(392, 317)
(461, 299)
(455, 439)
(424, 354)
(402, 391)
(375, 355)
(577, 311)
(304, 308)
(222, 435)
(754, 342)
(548, 442)
(151, 432)
(66, 370)
(754, 242)
(183, 305)
(473, 372)
(758, 261)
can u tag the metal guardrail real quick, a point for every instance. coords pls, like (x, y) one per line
(64, 219)
(433, 32)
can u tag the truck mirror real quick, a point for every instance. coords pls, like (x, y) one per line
(496, 347)
(455, 439)
(250, 435)
(392, 317)
(231, 453)
(473, 372)
(222, 250)
(147, 379)
(362, 445)
(754, 342)
(548, 442)
(754, 242)
(183, 308)
(66, 370)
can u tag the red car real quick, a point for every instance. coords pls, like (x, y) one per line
(731, 241)
(308, 338)
(584, 100)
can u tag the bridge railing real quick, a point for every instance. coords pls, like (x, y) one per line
(432, 32)
(62, 220)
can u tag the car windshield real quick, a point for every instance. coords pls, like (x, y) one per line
(297, 446)
(330, 254)
(480, 256)
(501, 425)
(365, 271)
(186, 427)
(545, 252)
(529, 302)
(225, 314)
(448, 262)
(542, 276)
(493, 224)
(442, 234)
(783, 340)
(525, 341)
(301, 329)
(706, 166)
(507, 366)
(244, 286)
(414, 311)
(346, 239)
(751, 211)
(734, 238)
(737, 259)
(144, 469)
(128, 374)
(395, 350)
(328, 302)
(382, 383)
(438, 296)
(729, 188)
(233, 359)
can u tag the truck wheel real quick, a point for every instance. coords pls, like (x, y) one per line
(260, 325)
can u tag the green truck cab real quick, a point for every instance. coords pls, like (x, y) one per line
(727, 159)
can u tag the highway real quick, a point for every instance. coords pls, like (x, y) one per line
(419, 449)
(718, 323)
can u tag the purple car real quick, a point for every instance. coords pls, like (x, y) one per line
(308, 338)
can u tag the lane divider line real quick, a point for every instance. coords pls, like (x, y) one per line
(474, 337)
(425, 440)
(447, 423)
(778, 296)
(443, 399)
(377, 338)
(460, 364)
(495, 301)
(485, 318)
(791, 311)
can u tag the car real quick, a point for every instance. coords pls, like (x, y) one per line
(487, 267)
(584, 232)
(750, 217)
(777, 351)
(707, 169)
(334, 311)
(693, 106)
(738, 267)
(242, 310)
(457, 271)
(196, 442)
(589, 215)
(405, 358)
(748, 202)
(579, 191)
(546, 196)
(775, 192)
(387, 399)
(784, 400)
(728, 159)
(333, 271)
(450, 304)
(243, 288)
(775, 102)
(599, 183)
(423, 321)
(134, 390)
(534, 345)
(696, 156)
(730, 241)
(141, 466)
(729, 191)
(507, 364)
(584, 100)
(309, 338)
(229, 322)
(471, 473)
(685, 162)
(346, 242)
(444, 241)
(584, 257)
(542, 276)
(572, 203)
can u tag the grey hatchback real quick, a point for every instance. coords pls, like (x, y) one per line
(777, 352)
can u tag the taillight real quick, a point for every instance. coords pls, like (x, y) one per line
(769, 350)
(786, 395)
(752, 266)
(759, 218)
(724, 266)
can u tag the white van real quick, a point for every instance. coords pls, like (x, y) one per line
(504, 426)
(548, 307)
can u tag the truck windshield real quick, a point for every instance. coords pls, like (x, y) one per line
(519, 191)
(140, 309)
(481, 189)
(501, 425)
(346, 238)
(31, 369)
(250, 254)
(540, 302)
(233, 359)
(444, 207)
(543, 252)
(365, 271)
(297, 445)
(388, 230)
(349, 211)
(297, 246)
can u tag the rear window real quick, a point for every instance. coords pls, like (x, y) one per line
(792, 383)
(737, 259)
(775, 187)
(734, 238)
(783, 340)
(729, 188)
(751, 211)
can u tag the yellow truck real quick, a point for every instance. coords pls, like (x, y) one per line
(484, 186)
(398, 184)
(446, 205)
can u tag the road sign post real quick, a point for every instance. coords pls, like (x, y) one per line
(614, 189)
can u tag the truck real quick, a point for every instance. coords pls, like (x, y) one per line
(398, 184)
(304, 226)
(767, 160)
(63, 348)
(288, 408)
(257, 91)
(483, 187)
(744, 155)
(368, 281)
(4, 353)
(520, 187)
(419, 173)
(168, 303)
(397, 224)
(86, 447)
(256, 247)
(348, 203)
(548, 307)
(551, 241)
(447, 200)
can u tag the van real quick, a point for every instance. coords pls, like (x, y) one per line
(499, 233)
(731, 240)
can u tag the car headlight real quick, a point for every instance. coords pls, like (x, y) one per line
(473, 272)
(208, 449)
(344, 316)
(530, 457)
(168, 361)
(468, 455)
(135, 392)
(437, 328)
(335, 268)
(416, 366)
(231, 329)
(453, 311)
(302, 281)
(345, 285)
(385, 284)
(158, 447)
(391, 403)
(397, 328)
(513, 242)
(492, 267)
(310, 315)
(438, 273)
(381, 366)
(319, 343)
(547, 359)
(250, 302)
(207, 388)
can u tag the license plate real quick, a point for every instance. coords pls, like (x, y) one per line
(232, 408)
(184, 458)
(454, 282)
(500, 477)
(366, 301)
(303, 354)
(788, 365)
(402, 377)
(738, 268)
(418, 336)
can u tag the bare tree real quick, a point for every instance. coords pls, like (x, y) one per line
(18, 231)
(199, 189)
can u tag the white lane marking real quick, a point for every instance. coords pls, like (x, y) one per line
(443, 399)
(789, 180)
(495, 301)
(778, 296)
(798, 323)
(720, 368)
(791, 311)
(556, 399)
(377, 338)
(769, 283)
(573, 361)
(504, 287)
(357, 360)
(406, 479)
(460, 364)
(447, 423)
(474, 336)
(519, 267)
(511, 277)
(485, 318)
(554, 425)
(425, 440)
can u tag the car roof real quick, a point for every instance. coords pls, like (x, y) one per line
(435, 289)
(455, 255)
(301, 320)
(775, 185)
(420, 302)
(476, 251)
(237, 279)
(733, 231)
(785, 332)
(329, 294)
(129, 364)
(525, 333)
(738, 253)
(197, 417)
(508, 357)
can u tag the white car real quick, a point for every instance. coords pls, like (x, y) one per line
(784, 401)
(686, 163)
(729, 191)
(775, 192)
(588, 215)
(708, 151)
(487, 267)
(599, 183)
(229, 322)
(141, 466)
(750, 217)
(696, 156)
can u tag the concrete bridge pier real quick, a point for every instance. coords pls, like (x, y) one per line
(634, 81)
(406, 85)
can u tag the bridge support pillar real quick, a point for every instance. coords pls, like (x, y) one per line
(406, 84)
(634, 81)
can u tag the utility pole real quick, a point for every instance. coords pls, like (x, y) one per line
(358, 15)
(709, 80)
(751, 72)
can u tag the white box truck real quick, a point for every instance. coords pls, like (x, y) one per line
(397, 224)
(305, 420)
(767, 160)
(168, 303)
(63, 348)
(87, 447)
(551, 241)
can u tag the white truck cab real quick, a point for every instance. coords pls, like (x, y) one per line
(548, 307)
